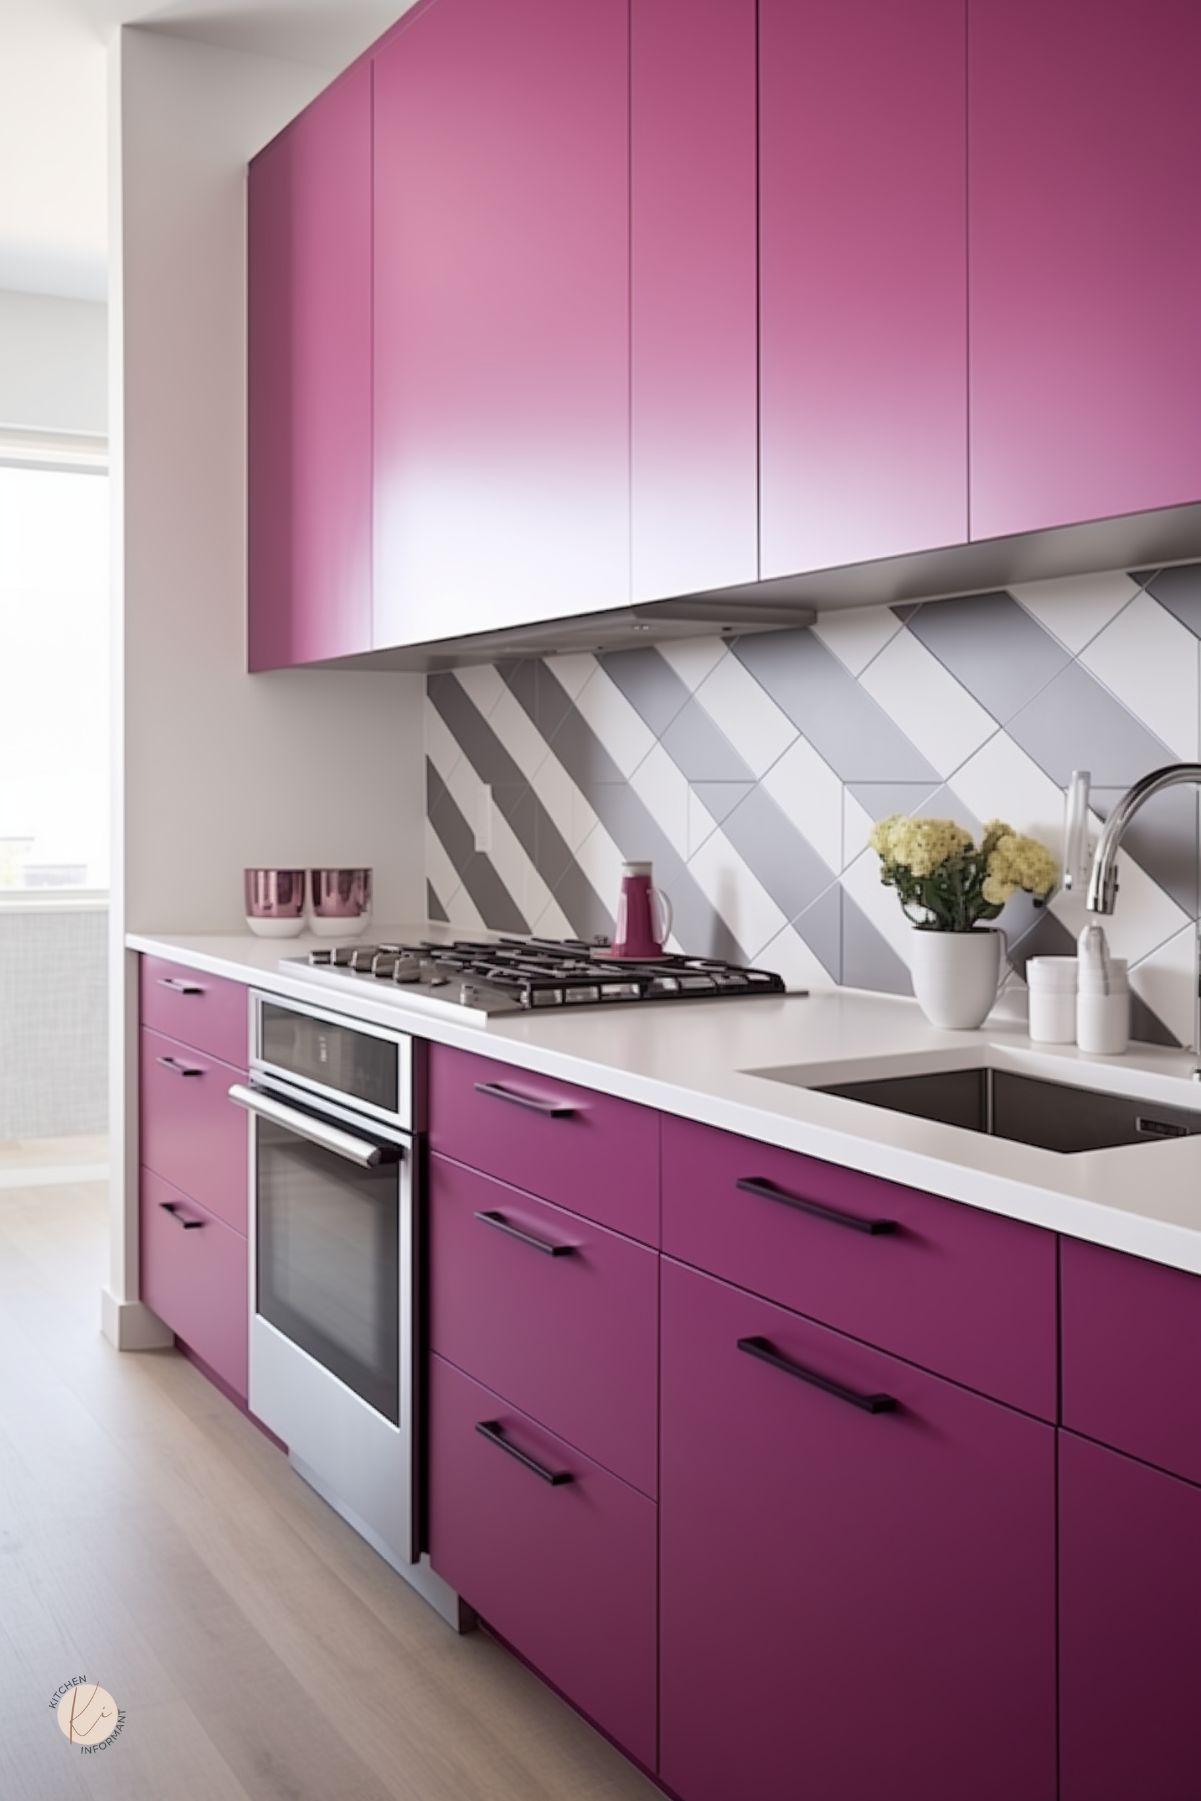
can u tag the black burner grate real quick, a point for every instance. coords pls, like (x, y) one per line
(544, 973)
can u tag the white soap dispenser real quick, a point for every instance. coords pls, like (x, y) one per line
(1102, 995)
(1077, 839)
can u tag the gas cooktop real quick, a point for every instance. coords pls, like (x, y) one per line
(511, 975)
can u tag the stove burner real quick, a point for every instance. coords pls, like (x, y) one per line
(513, 973)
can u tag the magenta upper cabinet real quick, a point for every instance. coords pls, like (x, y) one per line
(502, 340)
(854, 1604)
(1086, 359)
(309, 374)
(1130, 1628)
(694, 384)
(863, 266)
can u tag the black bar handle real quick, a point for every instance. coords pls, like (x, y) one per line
(769, 1192)
(552, 1109)
(189, 1225)
(491, 1218)
(179, 985)
(177, 1068)
(766, 1352)
(490, 1429)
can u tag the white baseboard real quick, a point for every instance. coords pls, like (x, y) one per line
(53, 1175)
(131, 1326)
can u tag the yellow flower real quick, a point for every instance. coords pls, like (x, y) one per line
(881, 836)
(1018, 862)
(921, 845)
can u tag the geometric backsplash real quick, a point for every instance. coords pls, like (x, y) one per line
(750, 770)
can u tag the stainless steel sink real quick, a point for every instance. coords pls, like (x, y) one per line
(1055, 1116)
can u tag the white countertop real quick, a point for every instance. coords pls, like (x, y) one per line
(697, 1058)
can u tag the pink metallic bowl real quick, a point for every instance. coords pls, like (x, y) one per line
(340, 897)
(274, 901)
(340, 893)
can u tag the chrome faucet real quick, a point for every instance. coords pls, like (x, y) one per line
(1103, 877)
(1102, 892)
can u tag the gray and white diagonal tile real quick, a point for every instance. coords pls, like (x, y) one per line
(751, 772)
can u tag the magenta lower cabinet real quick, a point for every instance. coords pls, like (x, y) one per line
(856, 1604)
(194, 1278)
(557, 1314)
(1137, 1388)
(192, 1134)
(205, 1012)
(964, 1293)
(555, 1554)
(1130, 1628)
(586, 1151)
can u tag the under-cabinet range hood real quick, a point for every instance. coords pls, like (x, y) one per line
(1161, 536)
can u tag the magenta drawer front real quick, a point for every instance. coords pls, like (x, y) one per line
(1129, 1629)
(589, 1152)
(964, 1293)
(557, 1314)
(194, 1278)
(1131, 1333)
(558, 1556)
(199, 1010)
(192, 1134)
(857, 1569)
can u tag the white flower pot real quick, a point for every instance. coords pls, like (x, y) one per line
(956, 974)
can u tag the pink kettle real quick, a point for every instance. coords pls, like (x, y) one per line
(643, 915)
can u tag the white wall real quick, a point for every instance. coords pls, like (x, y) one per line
(53, 364)
(216, 769)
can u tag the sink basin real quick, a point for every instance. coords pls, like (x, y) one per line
(1055, 1116)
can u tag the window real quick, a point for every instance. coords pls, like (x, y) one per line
(54, 679)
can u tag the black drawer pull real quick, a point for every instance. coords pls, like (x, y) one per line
(179, 986)
(189, 1225)
(177, 1068)
(491, 1218)
(769, 1192)
(551, 1109)
(490, 1429)
(763, 1349)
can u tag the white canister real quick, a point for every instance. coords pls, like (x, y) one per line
(1052, 982)
(1103, 1009)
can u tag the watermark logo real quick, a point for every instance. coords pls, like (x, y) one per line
(87, 1715)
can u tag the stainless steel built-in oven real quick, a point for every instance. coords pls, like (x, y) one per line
(333, 1257)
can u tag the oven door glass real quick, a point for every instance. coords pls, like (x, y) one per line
(331, 1056)
(328, 1259)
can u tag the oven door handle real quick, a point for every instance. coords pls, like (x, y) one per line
(363, 1151)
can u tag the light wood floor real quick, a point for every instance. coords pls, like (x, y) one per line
(33, 1153)
(154, 1541)
(38, 1161)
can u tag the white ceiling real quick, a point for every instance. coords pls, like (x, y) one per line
(53, 215)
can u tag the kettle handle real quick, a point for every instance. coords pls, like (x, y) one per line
(666, 913)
